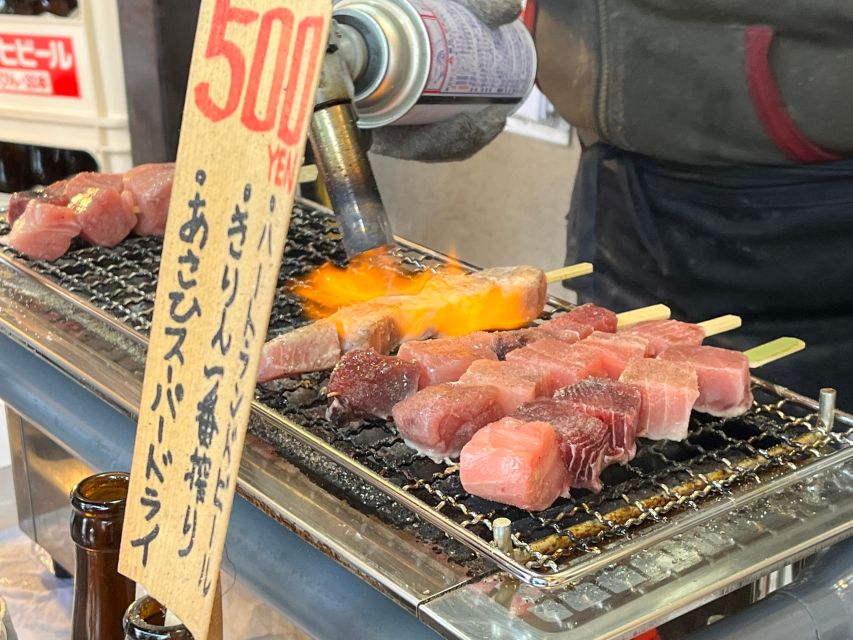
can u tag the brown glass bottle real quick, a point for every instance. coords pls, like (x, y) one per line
(101, 593)
(145, 620)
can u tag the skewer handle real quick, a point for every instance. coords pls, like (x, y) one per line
(568, 273)
(645, 314)
(720, 325)
(773, 351)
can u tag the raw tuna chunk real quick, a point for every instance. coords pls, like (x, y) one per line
(617, 350)
(44, 231)
(314, 347)
(151, 187)
(446, 359)
(564, 328)
(505, 341)
(89, 180)
(669, 390)
(597, 318)
(724, 380)
(579, 323)
(104, 217)
(365, 383)
(514, 463)
(556, 362)
(439, 420)
(514, 386)
(367, 326)
(584, 441)
(19, 201)
(614, 403)
(663, 334)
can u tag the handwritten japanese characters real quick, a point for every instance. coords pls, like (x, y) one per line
(252, 84)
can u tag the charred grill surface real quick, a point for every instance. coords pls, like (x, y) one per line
(720, 455)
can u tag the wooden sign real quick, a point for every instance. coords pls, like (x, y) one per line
(250, 98)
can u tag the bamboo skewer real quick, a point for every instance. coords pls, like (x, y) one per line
(568, 273)
(772, 351)
(723, 324)
(645, 314)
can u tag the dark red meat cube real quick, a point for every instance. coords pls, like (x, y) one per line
(365, 383)
(616, 404)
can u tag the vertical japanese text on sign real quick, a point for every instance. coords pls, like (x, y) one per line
(251, 90)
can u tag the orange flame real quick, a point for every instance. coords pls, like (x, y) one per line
(441, 302)
(374, 274)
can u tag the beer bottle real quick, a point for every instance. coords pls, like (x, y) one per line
(145, 620)
(15, 172)
(101, 593)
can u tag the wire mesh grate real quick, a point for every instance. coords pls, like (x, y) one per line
(664, 477)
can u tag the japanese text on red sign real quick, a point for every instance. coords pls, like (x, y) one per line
(41, 65)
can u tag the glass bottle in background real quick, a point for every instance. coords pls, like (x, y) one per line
(101, 593)
(145, 620)
(39, 166)
(15, 172)
(36, 7)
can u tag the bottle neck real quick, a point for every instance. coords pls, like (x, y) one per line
(145, 620)
(101, 593)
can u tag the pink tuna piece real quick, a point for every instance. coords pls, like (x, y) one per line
(439, 420)
(584, 440)
(44, 231)
(90, 180)
(617, 350)
(314, 347)
(505, 341)
(446, 359)
(564, 328)
(516, 463)
(105, 220)
(557, 363)
(365, 383)
(19, 201)
(669, 390)
(515, 386)
(597, 318)
(614, 403)
(663, 334)
(151, 186)
(724, 380)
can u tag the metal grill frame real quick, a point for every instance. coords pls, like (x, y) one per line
(522, 568)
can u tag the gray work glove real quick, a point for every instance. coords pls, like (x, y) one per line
(460, 137)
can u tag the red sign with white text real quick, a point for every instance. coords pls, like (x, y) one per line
(38, 65)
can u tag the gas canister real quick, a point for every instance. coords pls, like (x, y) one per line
(425, 61)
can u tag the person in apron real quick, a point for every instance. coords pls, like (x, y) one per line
(714, 176)
(770, 244)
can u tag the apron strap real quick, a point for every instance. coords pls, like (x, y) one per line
(768, 103)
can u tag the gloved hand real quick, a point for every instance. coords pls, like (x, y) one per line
(460, 137)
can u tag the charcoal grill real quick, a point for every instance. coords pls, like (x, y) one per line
(667, 512)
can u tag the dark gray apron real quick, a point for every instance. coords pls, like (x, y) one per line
(772, 244)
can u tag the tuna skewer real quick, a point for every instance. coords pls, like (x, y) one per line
(570, 272)
(448, 300)
(725, 388)
(663, 334)
(505, 462)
